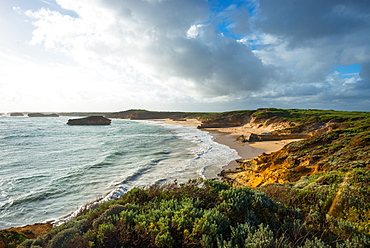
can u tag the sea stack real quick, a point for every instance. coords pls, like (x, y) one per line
(90, 120)
(16, 114)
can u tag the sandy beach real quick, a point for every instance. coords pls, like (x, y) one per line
(187, 122)
(227, 136)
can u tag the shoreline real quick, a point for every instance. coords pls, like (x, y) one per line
(227, 136)
(244, 150)
(224, 136)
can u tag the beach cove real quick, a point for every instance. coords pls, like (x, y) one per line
(223, 136)
(228, 136)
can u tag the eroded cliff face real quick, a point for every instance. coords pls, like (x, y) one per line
(269, 169)
(252, 118)
(343, 149)
(229, 119)
(264, 121)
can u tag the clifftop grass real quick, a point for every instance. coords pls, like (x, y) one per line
(311, 115)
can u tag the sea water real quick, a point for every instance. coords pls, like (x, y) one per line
(48, 169)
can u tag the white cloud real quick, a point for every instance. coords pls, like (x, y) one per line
(193, 31)
(152, 41)
(160, 52)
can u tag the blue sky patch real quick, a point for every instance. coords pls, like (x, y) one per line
(223, 17)
(348, 71)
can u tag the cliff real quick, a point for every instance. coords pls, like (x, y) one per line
(90, 120)
(228, 119)
(340, 149)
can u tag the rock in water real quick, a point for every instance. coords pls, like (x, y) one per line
(42, 115)
(16, 114)
(90, 120)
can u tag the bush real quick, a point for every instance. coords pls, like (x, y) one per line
(210, 214)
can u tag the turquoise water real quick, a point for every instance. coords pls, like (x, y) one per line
(48, 169)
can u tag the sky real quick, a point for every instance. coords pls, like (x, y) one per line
(184, 55)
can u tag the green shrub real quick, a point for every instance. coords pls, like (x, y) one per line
(212, 214)
(63, 239)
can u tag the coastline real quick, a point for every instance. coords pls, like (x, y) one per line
(227, 136)
(244, 150)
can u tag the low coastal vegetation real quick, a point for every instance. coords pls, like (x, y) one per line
(214, 214)
(312, 193)
(336, 146)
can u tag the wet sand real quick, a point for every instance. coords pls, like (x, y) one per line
(244, 150)
(227, 136)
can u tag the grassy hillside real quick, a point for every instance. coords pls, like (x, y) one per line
(312, 115)
(339, 149)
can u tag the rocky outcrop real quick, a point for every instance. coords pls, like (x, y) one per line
(42, 115)
(228, 119)
(269, 137)
(16, 114)
(339, 149)
(252, 137)
(243, 138)
(90, 120)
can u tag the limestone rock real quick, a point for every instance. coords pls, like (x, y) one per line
(241, 139)
(90, 120)
(16, 114)
(271, 136)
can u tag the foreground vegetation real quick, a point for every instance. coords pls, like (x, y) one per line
(214, 214)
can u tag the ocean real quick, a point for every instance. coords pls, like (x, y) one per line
(49, 170)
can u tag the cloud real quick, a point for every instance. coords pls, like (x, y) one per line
(302, 22)
(227, 53)
(332, 32)
(172, 44)
(310, 38)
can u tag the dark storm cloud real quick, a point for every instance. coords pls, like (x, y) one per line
(303, 21)
(314, 37)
